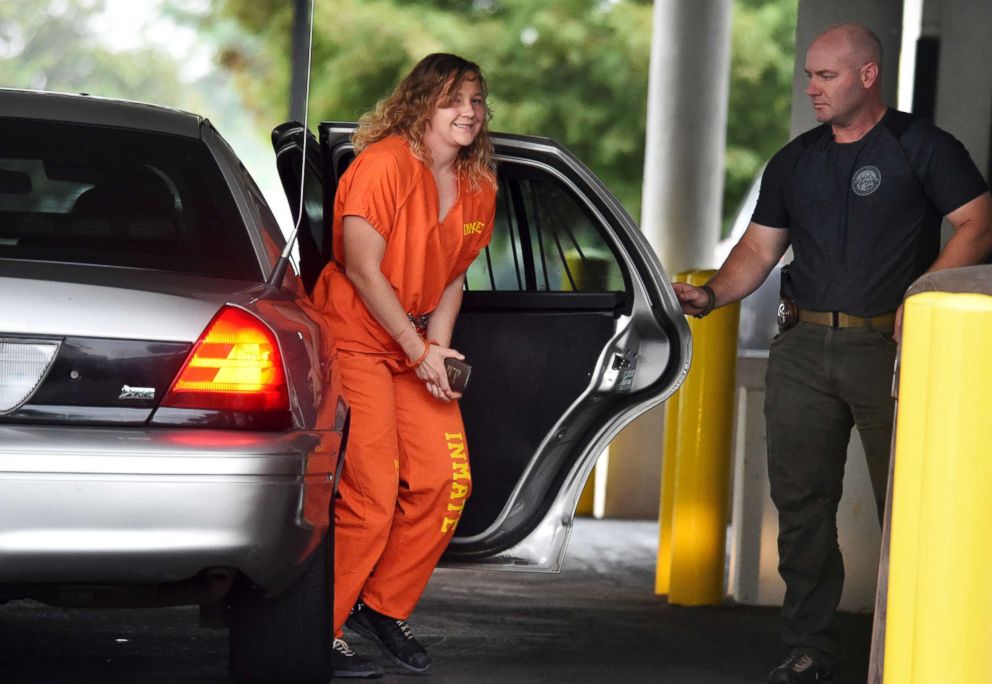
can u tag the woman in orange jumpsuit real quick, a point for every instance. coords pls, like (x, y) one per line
(411, 213)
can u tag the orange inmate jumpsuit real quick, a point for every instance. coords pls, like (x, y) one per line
(406, 474)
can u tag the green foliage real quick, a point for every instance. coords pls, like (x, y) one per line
(578, 72)
(761, 64)
(62, 45)
(572, 70)
(52, 45)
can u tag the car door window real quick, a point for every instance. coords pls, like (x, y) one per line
(548, 282)
(544, 239)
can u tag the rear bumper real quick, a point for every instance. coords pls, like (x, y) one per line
(113, 506)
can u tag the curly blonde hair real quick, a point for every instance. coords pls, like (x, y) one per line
(407, 111)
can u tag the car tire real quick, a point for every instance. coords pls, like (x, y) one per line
(286, 638)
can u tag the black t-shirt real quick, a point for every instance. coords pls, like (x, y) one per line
(864, 217)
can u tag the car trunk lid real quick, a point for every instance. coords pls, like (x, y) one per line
(88, 344)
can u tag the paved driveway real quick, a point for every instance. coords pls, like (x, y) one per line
(599, 621)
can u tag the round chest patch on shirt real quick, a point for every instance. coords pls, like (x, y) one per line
(866, 180)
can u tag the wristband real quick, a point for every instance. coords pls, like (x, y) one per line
(414, 364)
(710, 301)
(423, 357)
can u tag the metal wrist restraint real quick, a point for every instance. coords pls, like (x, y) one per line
(419, 322)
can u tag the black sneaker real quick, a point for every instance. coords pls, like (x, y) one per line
(799, 668)
(349, 665)
(393, 637)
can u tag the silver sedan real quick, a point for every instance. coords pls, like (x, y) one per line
(169, 429)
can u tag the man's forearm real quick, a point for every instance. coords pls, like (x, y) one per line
(747, 266)
(971, 242)
(968, 246)
(742, 273)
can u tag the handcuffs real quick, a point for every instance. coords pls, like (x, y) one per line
(419, 323)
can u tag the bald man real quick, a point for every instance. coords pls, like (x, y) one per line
(860, 199)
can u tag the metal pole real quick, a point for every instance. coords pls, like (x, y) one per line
(300, 40)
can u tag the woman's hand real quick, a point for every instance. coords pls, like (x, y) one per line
(434, 374)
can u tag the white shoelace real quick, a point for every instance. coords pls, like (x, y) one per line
(341, 646)
(802, 664)
(405, 628)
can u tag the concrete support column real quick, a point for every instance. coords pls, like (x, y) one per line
(680, 209)
(686, 131)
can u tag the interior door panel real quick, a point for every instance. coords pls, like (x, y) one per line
(527, 368)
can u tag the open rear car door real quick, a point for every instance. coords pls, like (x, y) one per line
(568, 320)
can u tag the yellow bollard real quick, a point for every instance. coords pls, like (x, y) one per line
(584, 506)
(939, 622)
(696, 472)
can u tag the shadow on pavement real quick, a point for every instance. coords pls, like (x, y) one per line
(597, 621)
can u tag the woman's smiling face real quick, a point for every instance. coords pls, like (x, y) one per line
(457, 122)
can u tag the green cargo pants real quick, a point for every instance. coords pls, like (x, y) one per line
(822, 381)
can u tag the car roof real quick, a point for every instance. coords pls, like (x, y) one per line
(101, 111)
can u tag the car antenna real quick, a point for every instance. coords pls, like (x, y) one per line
(275, 278)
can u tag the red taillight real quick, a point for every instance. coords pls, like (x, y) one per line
(234, 366)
